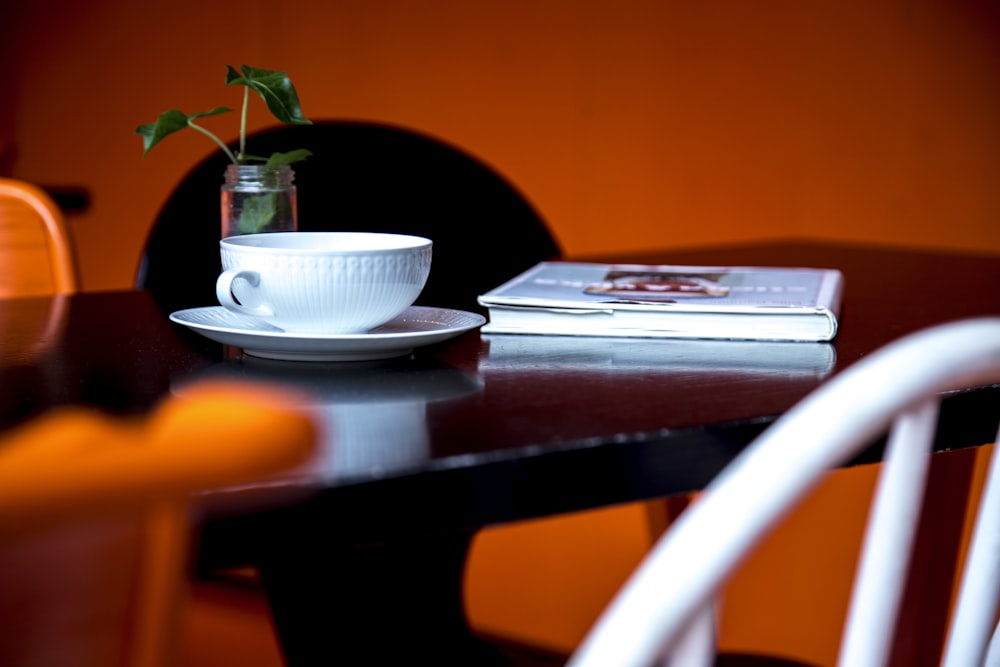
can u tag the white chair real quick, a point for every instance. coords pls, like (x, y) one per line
(664, 612)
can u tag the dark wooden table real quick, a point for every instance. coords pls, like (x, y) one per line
(362, 552)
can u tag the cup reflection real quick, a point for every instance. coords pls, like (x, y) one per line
(372, 416)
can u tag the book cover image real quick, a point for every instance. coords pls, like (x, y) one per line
(659, 285)
(716, 286)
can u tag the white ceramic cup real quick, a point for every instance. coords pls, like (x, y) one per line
(322, 282)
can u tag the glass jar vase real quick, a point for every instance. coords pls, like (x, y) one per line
(258, 199)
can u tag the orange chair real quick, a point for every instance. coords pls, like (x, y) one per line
(36, 257)
(94, 541)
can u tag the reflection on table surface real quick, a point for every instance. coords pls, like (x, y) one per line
(654, 354)
(38, 326)
(371, 414)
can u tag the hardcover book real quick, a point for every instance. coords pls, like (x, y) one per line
(663, 301)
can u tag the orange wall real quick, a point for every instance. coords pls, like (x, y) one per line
(629, 125)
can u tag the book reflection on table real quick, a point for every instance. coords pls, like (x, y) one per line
(657, 354)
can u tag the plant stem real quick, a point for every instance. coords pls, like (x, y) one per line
(243, 122)
(214, 138)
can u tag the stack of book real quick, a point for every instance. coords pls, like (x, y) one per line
(741, 303)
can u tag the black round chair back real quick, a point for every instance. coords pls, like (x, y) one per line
(361, 177)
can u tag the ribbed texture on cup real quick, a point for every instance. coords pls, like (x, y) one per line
(349, 293)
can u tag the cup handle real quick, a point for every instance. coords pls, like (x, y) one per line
(224, 292)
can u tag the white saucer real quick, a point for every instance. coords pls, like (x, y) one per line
(416, 327)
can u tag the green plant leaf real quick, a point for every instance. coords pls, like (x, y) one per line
(274, 87)
(257, 213)
(169, 122)
(281, 159)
